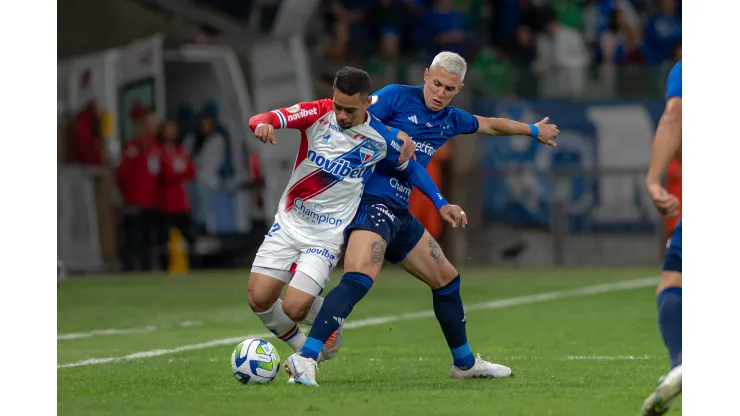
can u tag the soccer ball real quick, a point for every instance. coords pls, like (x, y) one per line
(255, 361)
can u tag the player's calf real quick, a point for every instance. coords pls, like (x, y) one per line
(297, 303)
(669, 302)
(428, 263)
(365, 253)
(263, 296)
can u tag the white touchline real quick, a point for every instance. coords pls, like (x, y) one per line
(123, 331)
(494, 304)
(608, 357)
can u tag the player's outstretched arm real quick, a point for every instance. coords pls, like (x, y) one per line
(300, 116)
(544, 132)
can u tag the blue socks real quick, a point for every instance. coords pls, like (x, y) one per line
(448, 309)
(669, 320)
(337, 306)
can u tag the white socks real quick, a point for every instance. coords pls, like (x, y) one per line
(277, 322)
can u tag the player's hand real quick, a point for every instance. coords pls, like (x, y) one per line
(666, 203)
(408, 150)
(454, 214)
(548, 132)
(266, 133)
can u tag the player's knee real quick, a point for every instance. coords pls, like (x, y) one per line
(260, 295)
(669, 278)
(259, 300)
(296, 311)
(440, 276)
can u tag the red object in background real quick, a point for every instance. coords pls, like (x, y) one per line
(255, 169)
(88, 146)
(673, 185)
(138, 174)
(420, 205)
(177, 169)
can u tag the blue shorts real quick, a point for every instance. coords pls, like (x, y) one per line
(673, 259)
(398, 227)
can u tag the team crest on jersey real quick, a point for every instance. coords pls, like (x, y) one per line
(366, 154)
(293, 109)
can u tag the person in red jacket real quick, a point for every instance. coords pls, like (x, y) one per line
(177, 169)
(138, 180)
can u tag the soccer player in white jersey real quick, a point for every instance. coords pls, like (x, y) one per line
(424, 112)
(340, 145)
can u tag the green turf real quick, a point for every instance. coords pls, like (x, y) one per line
(400, 367)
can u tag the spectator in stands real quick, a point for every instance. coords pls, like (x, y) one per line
(445, 29)
(352, 34)
(620, 43)
(524, 56)
(663, 32)
(88, 137)
(562, 58)
(210, 150)
(506, 16)
(392, 25)
(138, 180)
(177, 170)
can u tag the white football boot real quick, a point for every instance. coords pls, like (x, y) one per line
(331, 348)
(661, 399)
(481, 369)
(302, 369)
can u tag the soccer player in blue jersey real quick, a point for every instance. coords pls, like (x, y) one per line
(666, 143)
(384, 228)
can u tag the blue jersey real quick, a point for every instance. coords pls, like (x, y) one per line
(673, 88)
(403, 107)
(674, 253)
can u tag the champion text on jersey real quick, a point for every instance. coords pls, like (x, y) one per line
(302, 113)
(314, 215)
(400, 187)
(341, 168)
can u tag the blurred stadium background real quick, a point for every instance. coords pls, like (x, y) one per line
(557, 258)
(596, 68)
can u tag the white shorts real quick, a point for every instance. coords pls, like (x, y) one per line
(282, 248)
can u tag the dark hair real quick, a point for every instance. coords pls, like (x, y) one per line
(352, 81)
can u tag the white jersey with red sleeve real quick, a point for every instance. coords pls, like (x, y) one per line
(331, 169)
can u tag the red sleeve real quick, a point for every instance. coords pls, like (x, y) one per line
(123, 173)
(300, 116)
(189, 173)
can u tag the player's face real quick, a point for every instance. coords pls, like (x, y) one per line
(440, 87)
(350, 109)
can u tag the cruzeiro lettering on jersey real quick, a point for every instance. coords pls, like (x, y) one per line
(354, 164)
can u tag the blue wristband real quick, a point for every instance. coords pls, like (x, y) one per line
(535, 131)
